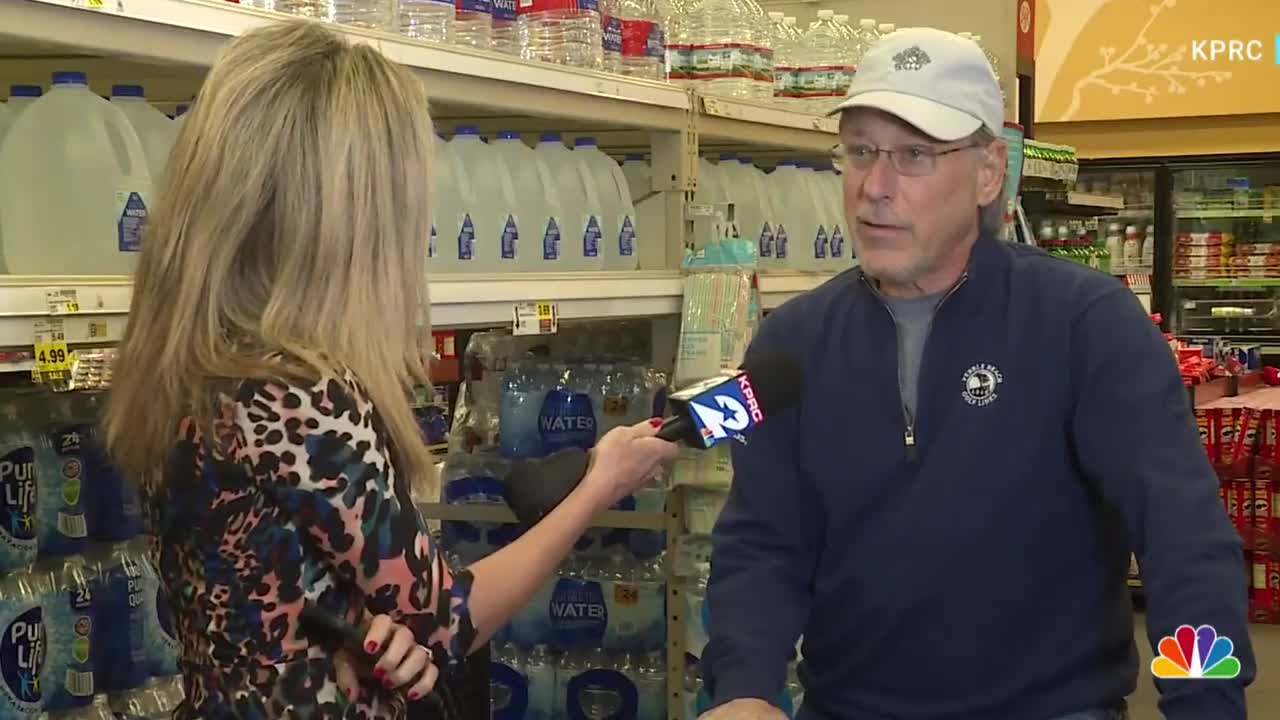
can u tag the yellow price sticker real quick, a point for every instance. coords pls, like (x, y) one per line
(536, 318)
(52, 357)
(95, 4)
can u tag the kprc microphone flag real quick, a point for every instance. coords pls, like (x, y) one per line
(721, 408)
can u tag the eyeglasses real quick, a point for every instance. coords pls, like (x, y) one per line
(909, 160)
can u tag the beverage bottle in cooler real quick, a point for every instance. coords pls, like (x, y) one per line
(23, 625)
(370, 14)
(155, 130)
(495, 246)
(565, 32)
(20, 98)
(119, 650)
(721, 36)
(70, 626)
(59, 460)
(643, 41)
(1132, 247)
(618, 246)
(541, 673)
(73, 173)
(427, 19)
(473, 24)
(505, 38)
(581, 231)
(20, 501)
(1148, 246)
(1115, 248)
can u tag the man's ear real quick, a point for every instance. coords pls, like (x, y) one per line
(991, 171)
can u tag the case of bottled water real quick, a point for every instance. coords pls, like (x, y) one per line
(649, 672)
(120, 647)
(582, 230)
(160, 638)
(426, 19)
(599, 686)
(22, 654)
(474, 479)
(565, 32)
(63, 527)
(473, 24)
(611, 36)
(718, 49)
(19, 490)
(540, 671)
(67, 678)
(74, 185)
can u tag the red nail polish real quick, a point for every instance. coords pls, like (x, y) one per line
(413, 695)
(378, 673)
(388, 684)
(371, 647)
(655, 422)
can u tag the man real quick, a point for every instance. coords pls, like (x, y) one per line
(986, 434)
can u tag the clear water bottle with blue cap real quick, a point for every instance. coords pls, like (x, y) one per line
(427, 19)
(473, 24)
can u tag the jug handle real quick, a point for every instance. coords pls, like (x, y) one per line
(119, 141)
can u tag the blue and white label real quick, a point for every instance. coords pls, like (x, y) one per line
(510, 238)
(504, 10)
(18, 503)
(591, 238)
(508, 691)
(723, 410)
(551, 240)
(601, 692)
(780, 242)
(567, 420)
(626, 237)
(431, 242)
(483, 7)
(820, 243)
(655, 44)
(68, 680)
(132, 219)
(62, 526)
(766, 241)
(589, 5)
(837, 243)
(612, 34)
(466, 238)
(579, 615)
(22, 650)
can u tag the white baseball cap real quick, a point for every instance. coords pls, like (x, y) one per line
(935, 80)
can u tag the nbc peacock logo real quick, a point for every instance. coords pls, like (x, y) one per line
(1195, 654)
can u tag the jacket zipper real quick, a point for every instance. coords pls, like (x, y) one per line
(908, 421)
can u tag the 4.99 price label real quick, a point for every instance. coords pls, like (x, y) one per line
(52, 358)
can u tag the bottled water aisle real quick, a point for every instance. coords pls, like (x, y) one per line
(427, 19)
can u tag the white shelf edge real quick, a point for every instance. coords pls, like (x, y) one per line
(634, 520)
(1228, 213)
(1110, 202)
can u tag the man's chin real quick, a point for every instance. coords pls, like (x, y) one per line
(895, 271)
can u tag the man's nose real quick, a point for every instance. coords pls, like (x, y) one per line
(881, 179)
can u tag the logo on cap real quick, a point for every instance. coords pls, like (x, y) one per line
(913, 58)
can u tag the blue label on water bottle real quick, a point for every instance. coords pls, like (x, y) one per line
(627, 238)
(612, 27)
(510, 692)
(601, 687)
(18, 507)
(70, 627)
(780, 242)
(551, 241)
(466, 238)
(510, 236)
(837, 243)
(120, 651)
(579, 615)
(63, 529)
(820, 243)
(431, 242)
(22, 649)
(483, 7)
(589, 5)
(766, 241)
(567, 420)
(591, 238)
(504, 10)
(655, 45)
(130, 225)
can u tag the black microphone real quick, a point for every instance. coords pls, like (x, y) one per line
(706, 414)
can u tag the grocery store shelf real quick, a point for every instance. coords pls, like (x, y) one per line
(99, 320)
(494, 513)
(1228, 282)
(190, 33)
(1227, 213)
(777, 288)
(1071, 204)
(757, 123)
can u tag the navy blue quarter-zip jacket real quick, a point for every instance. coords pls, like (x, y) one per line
(972, 566)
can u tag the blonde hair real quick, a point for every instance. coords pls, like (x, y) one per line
(292, 223)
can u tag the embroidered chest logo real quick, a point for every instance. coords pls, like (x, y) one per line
(981, 383)
(913, 58)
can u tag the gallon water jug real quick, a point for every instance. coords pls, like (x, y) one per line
(74, 186)
(827, 191)
(537, 210)
(156, 131)
(20, 98)
(581, 232)
(6, 117)
(497, 234)
(797, 216)
(753, 207)
(446, 202)
(651, 214)
(711, 191)
(621, 241)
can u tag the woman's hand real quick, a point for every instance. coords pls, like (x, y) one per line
(403, 664)
(624, 460)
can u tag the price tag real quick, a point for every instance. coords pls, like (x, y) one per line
(626, 594)
(97, 330)
(536, 318)
(62, 302)
(52, 355)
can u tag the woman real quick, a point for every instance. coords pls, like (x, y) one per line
(261, 390)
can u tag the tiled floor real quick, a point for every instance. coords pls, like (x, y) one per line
(1263, 695)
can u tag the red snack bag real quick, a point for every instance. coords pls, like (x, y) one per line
(1242, 509)
(1208, 434)
(1266, 583)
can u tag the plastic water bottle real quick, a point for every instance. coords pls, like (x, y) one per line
(561, 32)
(74, 185)
(519, 408)
(621, 244)
(114, 506)
(473, 24)
(721, 55)
(643, 45)
(651, 685)
(505, 37)
(159, 637)
(841, 22)
(371, 14)
(651, 216)
(541, 672)
(24, 627)
(496, 246)
(156, 131)
(886, 28)
(761, 51)
(67, 680)
(611, 36)
(454, 225)
(675, 24)
(120, 652)
(63, 528)
(783, 49)
(536, 214)
(427, 19)
(19, 491)
(582, 233)
(868, 34)
(825, 65)
(21, 97)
